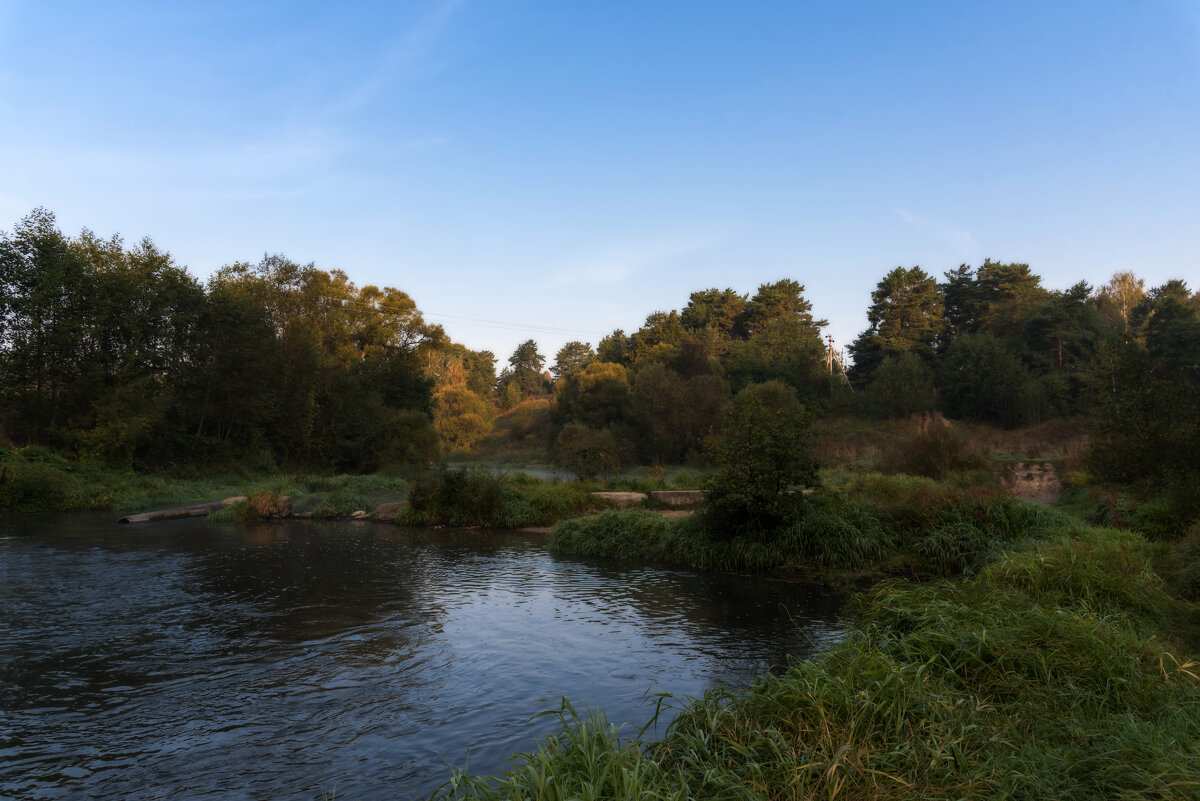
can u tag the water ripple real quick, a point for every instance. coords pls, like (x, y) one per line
(184, 660)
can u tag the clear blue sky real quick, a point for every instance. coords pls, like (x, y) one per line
(569, 167)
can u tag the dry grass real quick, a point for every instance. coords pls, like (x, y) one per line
(862, 444)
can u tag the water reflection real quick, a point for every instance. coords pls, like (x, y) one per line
(189, 660)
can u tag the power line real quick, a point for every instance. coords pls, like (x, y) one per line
(545, 329)
(509, 326)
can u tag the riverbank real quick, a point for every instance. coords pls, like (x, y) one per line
(37, 480)
(873, 525)
(1062, 670)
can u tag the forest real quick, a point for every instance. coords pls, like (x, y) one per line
(115, 353)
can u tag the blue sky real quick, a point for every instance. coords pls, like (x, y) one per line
(562, 169)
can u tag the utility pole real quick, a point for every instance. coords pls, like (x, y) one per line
(832, 359)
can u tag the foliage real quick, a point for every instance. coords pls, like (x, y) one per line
(597, 396)
(478, 497)
(674, 413)
(511, 396)
(659, 337)
(933, 451)
(117, 353)
(905, 315)
(589, 452)
(526, 364)
(713, 314)
(461, 417)
(880, 523)
(761, 452)
(982, 380)
(1046, 675)
(571, 358)
(35, 486)
(901, 386)
(1148, 428)
(1119, 297)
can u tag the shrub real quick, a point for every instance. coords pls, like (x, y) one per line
(477, 497)
(763, 461)
(590, 452)
(933, 452)
(37, 486)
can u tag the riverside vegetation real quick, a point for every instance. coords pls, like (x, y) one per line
(1054, 671)
(1010, 650)
(1049, 660)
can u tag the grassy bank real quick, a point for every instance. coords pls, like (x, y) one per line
(1057, 671)
(894, 524)
(34, 479)
(475, 496)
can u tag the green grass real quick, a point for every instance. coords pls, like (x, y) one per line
(1049, 673)
(36, 480)
(888, 523)
(480, 497)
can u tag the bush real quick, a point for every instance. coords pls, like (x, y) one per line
(934, 451)
(38, 486)
(590, 452)
(763, 461)
(477, 497)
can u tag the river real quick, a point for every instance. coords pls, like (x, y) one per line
(188, 660)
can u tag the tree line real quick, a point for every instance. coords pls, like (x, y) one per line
(115, 351)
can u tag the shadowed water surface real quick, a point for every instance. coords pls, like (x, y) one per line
(185, 660)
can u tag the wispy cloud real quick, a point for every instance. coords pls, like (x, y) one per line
(618, 263)
(277, 163)
(410, 54)
(955, 237)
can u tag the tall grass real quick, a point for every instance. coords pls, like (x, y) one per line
(1045, 675)
(34, 479)
(479, 497)
(896, 524)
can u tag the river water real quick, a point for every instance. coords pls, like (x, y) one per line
(186, 660)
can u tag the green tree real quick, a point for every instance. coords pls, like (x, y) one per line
(674, 413)
(571, 358)
(902, 385)
(46, 296)
(763, 460)
(786, 349)
(982, 380)
(659, 337)
(616, 348)
(961, 304)
(597, 396)
(590, 452)
(1008, 293)
(526, 364)
(782, 300)
(511, 396)
(712, 314)
(461, 417)
(905, 316)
